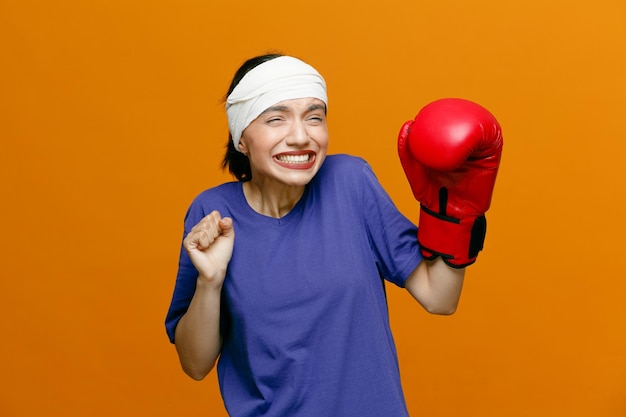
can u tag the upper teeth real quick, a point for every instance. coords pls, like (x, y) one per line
(294, 158)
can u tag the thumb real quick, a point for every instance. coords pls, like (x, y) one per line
(226, 227)
(406, 158)
(403, 138)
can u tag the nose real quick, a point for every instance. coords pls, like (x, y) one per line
(298, 135)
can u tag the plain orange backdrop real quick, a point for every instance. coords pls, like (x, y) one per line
(111, 121)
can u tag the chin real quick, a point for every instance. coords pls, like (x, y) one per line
(298, 180)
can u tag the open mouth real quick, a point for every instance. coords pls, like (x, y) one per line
(296, 160)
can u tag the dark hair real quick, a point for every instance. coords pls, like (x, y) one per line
(237, 163)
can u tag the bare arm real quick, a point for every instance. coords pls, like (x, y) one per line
(436, 286)
(197, 337)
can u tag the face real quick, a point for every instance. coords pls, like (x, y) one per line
(287, 143)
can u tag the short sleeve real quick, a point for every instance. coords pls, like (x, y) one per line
(393, 237)
(186, 277)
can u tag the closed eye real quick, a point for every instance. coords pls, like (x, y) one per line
(316, 119)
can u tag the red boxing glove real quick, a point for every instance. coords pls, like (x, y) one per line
(450, 154)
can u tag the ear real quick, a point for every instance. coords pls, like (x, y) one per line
(242, 146)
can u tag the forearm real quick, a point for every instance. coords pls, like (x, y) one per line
(198, 340)
(436, 286)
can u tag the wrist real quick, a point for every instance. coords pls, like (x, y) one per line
(209, 284)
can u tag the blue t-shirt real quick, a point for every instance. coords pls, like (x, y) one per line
(304, 313)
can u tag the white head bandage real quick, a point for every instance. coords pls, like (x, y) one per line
(282, 78)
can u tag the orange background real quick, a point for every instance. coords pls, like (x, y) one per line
(111, 122)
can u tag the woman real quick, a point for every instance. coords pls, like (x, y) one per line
(281, 273)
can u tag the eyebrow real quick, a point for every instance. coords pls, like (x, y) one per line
(312, 107)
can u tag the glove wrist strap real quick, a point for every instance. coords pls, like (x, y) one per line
(457, 241)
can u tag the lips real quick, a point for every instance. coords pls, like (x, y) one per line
(296, 160)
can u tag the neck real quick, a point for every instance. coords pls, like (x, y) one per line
(273, 201)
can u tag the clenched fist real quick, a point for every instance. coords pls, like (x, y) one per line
(209, 245)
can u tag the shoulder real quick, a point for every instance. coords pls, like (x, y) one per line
(347, 170)
(221, 198)
(222, 192)
(345, 177)
(343, 161)
(344, 167)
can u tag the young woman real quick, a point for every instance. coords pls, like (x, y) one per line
(282, 272)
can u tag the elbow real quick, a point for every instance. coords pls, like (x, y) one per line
(196, 377)
(195, 365)
(441, 310)
(196, 374)
(196, 369)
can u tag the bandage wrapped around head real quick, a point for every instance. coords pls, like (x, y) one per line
(282, 78)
